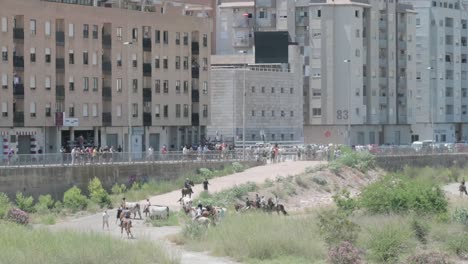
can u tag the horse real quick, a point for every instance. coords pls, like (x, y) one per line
(158, 212)
(462, 189)
(126, 223)
(187, 191)
(134, 208)
(186, 203)
(204, 219)
(278, 208)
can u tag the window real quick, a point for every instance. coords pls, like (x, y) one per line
(448, 92)
(95, 84)
(47, 28)
(186, 63)
(4, 81)
(48, 110)
(272, 113)
(165, 63)
(464, 92)
(32, 55)
(205, 64)
(282, 113)
(157, 86)
(85, 110)
(272, 136)
(358, 33)
(272, 89)
(119, 85)
(316, 111)
(166, 86)
(263, 113)
(253, 112)
(205, 110)
(449, 109)
(71, 57)
(418, 21)
(463, 109)
(177, 39)
(186, 112)
(32, 82)
(85, 31)
(177, 87)
(94, 58)
(32, 26)
(157, 36)
(166, 37)
(205, 40)
(185, 38)
(4, 109)
(156, 62)
(177, 112)
(71, 83)
(205, 87)
(47, 83)
(95, 110)
(71, 110)
(166, 111)
(85, 58)
(291, 113)
(157, 110)
(319, 13)
(47, 55)
(135, 34)
(119, 60)
(135, 85)
(32, 109)
(253, 89)
(134, 61)
(85, 83)
(185, 86)
(282, 90)
(71, 30)
(119, 33)
(418, 75)
(177, 62)
(262, 14)
(291, 90)
(95, 32)
(358, 53)
(4, 24)
(356, 13)
(263, 89)
(118, 110)
(4, 54)
(135, 110)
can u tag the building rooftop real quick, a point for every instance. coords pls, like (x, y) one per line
(232, 59)
(237, 4)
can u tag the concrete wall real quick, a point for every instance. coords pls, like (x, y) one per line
(396, 163)
(56, 180)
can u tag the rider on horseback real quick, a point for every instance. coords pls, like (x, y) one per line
(187, 184)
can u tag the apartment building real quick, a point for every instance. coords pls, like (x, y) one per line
(85, 71)
(440, 97)
(273, 100)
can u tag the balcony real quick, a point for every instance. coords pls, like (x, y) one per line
(195, 72)
(18, 61)
(106, 41)
(195, 119)
(195, 48)
(106, 119)
(107, 67)
(147, 119)
(18, 90)
(146, 69)
(60, 92)
(147, 44)
(18, 119)
(195, 96)
(147, 95)
(60, 38)
(60, 64)
(18, 33)
(106, 93)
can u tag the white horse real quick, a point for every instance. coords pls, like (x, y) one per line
(159, 212)
(134, 208)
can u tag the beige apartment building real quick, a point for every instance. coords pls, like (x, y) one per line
(83, 72)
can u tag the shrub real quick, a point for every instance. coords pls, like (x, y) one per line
(429, 258)
(25, 203)
(237, 167)
(118, 189)
(18, 216)
(421, 230)
(320, 181)
(48, 219)
(135, 186)
(388, 242)
(97, 193)
(194, 231)
(5, 205)
(44, 203)
(400, 194)
(205, 173)
(301, 182)
(73, 199)
(335, 166)
(460, 215)
(58, 206)
(459, 244)
(335, 227)
(344, 253)
(227, 197)
(344, 202)
(362, 161)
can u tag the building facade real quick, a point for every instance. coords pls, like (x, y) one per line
(92, 70)
(273, 101)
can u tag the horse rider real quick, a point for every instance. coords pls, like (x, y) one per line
(198, 211)
(257, 200)
(262, 202)
(462, 188)
(123, 204)
(187, 184)
(147, 206)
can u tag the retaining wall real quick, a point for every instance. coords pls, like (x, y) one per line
(396, 163)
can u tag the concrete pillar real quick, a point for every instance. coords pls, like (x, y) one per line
(72, 134)
(104, 137)
(96, 137)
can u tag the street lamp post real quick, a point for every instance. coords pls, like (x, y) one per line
(129, 113)
(243, 106)
(430, 102)
(349, 102)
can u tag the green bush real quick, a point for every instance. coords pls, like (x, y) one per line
(58, 206)
(362, 161)
(97, 193)
(118, 189)
(388, 242)
(400, 194)
(74, 200)
(44, 203)
(205, 173)
(237, 167)
(194, 231)
(460, 215)
(301, 182)
(320, 181)
(345, 253)
(335, 227)
(344, 201)
(459, 244)
(25, 203)
(5, 205)
(227, 197)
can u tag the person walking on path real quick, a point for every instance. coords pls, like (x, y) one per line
(205, 184)
(105, 220)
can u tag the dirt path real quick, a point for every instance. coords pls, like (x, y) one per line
(256, 174)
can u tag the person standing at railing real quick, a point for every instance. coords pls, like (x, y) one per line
(73, 154)
(10, 155)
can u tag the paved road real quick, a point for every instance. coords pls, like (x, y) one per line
(257, 174)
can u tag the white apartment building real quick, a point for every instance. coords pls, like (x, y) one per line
(72, 68)
(273, 101)
(440, 97)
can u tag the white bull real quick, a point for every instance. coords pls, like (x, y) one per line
(134, 208)
(159, 212)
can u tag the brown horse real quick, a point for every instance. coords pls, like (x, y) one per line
(188, 191)
(278, 208)
(126, 223)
